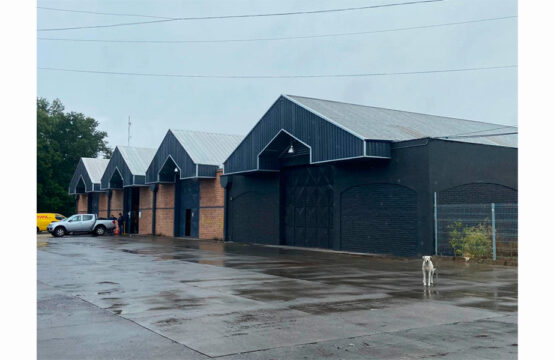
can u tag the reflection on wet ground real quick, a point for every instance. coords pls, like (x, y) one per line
(223, 298)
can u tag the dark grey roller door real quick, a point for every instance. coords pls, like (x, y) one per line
(252, 218)
(379, 218)
(308, 206)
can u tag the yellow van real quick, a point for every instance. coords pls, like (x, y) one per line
(44, 219)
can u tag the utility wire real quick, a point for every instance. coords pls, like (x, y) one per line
(284, 37)
(102, 13)
(243, 16)
(277, 76)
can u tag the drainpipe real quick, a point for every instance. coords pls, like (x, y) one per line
(154, 189)
(109, 210)
(226, 182)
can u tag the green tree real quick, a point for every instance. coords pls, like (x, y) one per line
(62, 139)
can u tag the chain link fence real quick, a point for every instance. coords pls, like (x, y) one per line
(476, 230)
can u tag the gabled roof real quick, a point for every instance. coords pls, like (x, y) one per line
(374, 123)
(207, 148)
(137, 158)
(90, 171)
(95, 168)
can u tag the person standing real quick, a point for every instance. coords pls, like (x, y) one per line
(120, 223)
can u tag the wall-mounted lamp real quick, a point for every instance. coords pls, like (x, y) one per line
(291, 149)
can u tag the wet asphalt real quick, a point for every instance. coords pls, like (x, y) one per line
(160, 298)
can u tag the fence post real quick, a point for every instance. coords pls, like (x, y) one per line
(436, 225)
(493, 232)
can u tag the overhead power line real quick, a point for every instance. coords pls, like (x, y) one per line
(277, 76)
(243, 16)
(102, 13)
(283, 37)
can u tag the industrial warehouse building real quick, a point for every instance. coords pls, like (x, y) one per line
(184, 176)
(85, 185)
(326, 174)
(124, 183)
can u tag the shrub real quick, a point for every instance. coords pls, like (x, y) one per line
(471, 241)
(456, 234)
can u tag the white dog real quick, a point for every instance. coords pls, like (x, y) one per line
(428, 271)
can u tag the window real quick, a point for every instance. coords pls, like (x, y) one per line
(75, 218)
(59, 217)
(87, 217)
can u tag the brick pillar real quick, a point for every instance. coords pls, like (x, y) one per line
(82, 204)
(212, 199)
(165, 209)
(103, 205)
(145, 208)
(116, 203)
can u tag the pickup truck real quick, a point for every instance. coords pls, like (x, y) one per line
(81, 223)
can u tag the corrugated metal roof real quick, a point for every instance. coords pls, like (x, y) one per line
(95, 168)
(137, 158)
(375, 123)
(207, 148)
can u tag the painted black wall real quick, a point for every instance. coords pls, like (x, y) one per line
(253, 209)
(453, 164)
(417, 169)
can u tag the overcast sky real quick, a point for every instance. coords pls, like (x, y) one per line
(235, 105)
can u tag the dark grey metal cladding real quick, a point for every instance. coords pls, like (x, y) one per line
(116, 163)
(139, 179)
(328, 142)
(80, 173)
(378, 149)
(276, 154)
(170, 148)
(207, 170)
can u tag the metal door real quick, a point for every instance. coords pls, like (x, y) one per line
(72, 224)
(86, 223)
(307, 213)
(186, 208)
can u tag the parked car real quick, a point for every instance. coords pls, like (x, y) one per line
(81, 224)
(43, 219)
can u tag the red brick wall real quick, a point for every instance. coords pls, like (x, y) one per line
(145, 207)
(165, 209)
(116, 203)
(82, 204)
(212, 199)
(103, 205)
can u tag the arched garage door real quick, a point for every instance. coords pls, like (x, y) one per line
(253, 218)
(379, 218)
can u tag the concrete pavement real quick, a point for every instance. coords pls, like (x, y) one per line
(120, 297)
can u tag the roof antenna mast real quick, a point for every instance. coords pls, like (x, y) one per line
(129, 131)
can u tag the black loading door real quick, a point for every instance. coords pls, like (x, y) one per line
(92, 203)
(379, 218)
(186, 208)
(131, 205)
(307, 206)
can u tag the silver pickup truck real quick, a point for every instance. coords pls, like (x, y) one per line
(81, 223)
